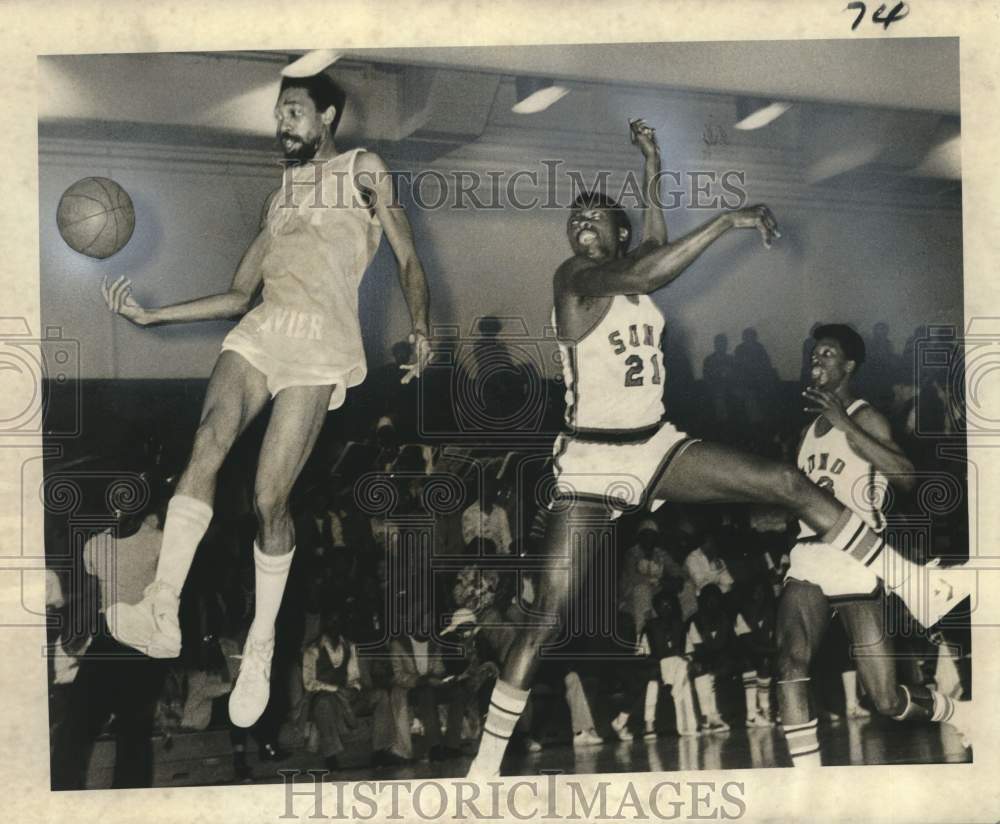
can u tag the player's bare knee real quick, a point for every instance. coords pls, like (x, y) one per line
(788, 486)
(887, 700)
(270, 504)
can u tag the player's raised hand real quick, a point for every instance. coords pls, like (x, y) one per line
(826, 403)
(421, 358)
(644, 136)
(757, 217)
(118, 296)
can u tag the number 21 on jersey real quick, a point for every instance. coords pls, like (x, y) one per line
(634, 374)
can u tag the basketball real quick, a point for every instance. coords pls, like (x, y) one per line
(95, 217)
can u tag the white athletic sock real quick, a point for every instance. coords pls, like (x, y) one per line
(271, 575)
(506, 705)
(649, 710)
(687, 723)
(850, 680)
(579, 707)
(803, 744)
(186, 524)
(704, 685)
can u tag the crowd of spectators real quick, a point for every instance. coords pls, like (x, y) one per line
(413, 567)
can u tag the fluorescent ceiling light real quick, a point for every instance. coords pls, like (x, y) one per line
(311, 63)
(762, 116)
(536, 95)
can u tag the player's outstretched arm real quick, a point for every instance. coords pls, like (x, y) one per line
(869, 435)
(644, 273)
(654, 224)
(231, 303)
(373, 176)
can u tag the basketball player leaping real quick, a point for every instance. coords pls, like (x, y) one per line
(300, 346)
(616, 452)
(848, 449)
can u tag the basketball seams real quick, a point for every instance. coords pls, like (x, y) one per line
(107, 192)
(109, 198)
(67, 199)
(66, 225)
(97, 237)
(117, 225)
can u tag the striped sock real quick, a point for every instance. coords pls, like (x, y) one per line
(506, 705)
(852, 535)
(764, 696)
(925, 704)
(803, 744)
(750, 691)
(944, 707)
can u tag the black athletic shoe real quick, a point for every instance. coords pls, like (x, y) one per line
(387, 758)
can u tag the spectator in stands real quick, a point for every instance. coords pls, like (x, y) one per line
(711, 642)
(420, 681)
(770, 542)
(581, 718)
(663, 642)
(755, 634)
(114, 680)
(476, 588)
(389, 395)
(645, 567)
(65, 651)
(678, 580)
(473, 674)
(756, 378)
(387, 443)
(718, 371)
(705, 566)
(485, 519)
(331, 674)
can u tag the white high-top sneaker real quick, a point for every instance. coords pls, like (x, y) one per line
(249, 697)
(151, 626)
(937, 591)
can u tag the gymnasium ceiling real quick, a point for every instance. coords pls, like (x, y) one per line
(878, 106)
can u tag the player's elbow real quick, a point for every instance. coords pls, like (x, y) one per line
(240, 301)
(410, 270)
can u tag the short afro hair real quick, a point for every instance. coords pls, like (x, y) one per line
(852, 344)
(599, 200)
(323, 92)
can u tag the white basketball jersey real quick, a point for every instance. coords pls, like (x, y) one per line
(614, 375)
(829, 462)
